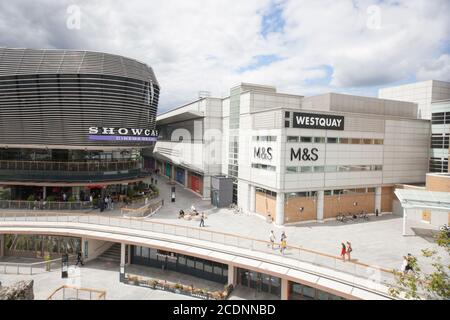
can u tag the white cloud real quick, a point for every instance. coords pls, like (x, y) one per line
(438, 69)
(202, 44)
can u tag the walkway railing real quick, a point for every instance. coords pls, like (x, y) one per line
(77, 166)
(375, 274)
(30, 268)
(45, 205)
(146, 210)
(66, 292)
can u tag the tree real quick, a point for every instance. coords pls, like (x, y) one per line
(417, 284)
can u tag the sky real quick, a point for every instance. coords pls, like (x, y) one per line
(301, 47)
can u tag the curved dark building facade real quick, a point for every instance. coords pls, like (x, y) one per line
(74, 119)
(53, 97)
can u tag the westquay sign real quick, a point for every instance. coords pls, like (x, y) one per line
(122, 134)
(317, 121)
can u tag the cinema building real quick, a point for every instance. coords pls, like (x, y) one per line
(73, 122)
(293, 158)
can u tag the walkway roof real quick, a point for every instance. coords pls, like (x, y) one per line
(413, 198)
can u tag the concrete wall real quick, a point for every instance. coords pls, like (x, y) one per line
(95, 248)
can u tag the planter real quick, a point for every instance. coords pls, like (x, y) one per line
(179, 289)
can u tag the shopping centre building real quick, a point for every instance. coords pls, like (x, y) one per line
(295, 158)
(433, 100)
(73, 122)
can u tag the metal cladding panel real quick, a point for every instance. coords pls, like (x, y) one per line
(53, 97)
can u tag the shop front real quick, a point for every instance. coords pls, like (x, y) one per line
(165, 260)
(299, 291)
(196, 182)
(168, 169)
(180, 175)
(260, 282)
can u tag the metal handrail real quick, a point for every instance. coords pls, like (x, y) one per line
(101, 293)
(31, 265)
(77, 166)
(296, 252)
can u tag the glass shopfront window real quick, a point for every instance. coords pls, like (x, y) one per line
(166, 260)
(261, 282)
(299, 291)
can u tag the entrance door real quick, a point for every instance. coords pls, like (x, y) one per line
(215, 197)
(195, 183)
(168, 169)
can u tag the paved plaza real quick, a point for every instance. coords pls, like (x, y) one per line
(97, 275)
(378, 241)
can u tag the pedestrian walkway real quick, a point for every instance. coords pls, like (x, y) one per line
(372, 241)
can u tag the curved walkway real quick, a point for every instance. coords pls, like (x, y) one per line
(246, 254)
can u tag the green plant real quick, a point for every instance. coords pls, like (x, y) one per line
(31, 197)
(131, 192)
(417, 284)
(51, 198)
(72, 199)
(5, 195)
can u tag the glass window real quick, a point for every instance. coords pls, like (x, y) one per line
(137, 251)
(344, 140)
(330, 168)
(181, 260)
(305, 169)
(318, 168)
(332, 140)
(327, 192)
(286, 124)
(355, 141)
(306, 139)
(292, 139)
(309, 292)
(144, 252)
(322, 295)
(199, 265)
(319, 139)
(190, 263)
(291, 169)
(297, 288)
(153, 254)
(217, 270)
(287, 114)
(378, 141)
(208, 268)
(368, 141)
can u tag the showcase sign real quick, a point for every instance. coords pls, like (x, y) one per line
(122, 134)
(317, 121)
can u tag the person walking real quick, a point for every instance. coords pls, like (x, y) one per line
(283, 236)
(202, 220)
(91, 201)
(272, 238)
(343, 251)
(79, 259)
(283, 245)
(349, 250)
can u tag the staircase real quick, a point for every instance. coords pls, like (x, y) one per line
(112, 254)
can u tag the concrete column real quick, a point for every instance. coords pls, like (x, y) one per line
(252, 197)
(280, 209)
(284, 289)
(44, 192)
(2, 245)
(378, 199)
(319, 205)
(186, 178)
(122, 254)
(405, 217)
(231, 274)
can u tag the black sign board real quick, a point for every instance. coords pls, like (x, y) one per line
(317, 121)
(64, 265)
